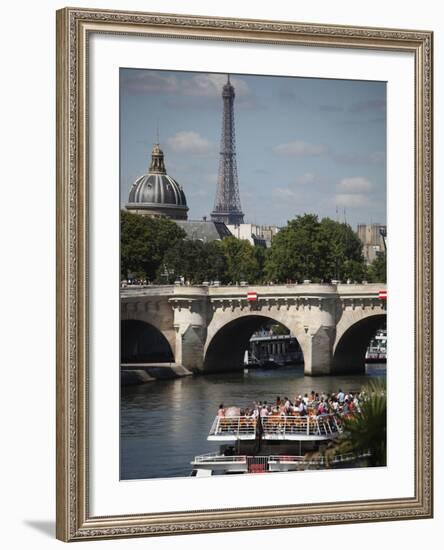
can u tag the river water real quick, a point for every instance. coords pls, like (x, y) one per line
(164, 424)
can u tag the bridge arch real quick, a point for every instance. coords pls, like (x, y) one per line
(351, 345)
(142, 342)
(225, 347)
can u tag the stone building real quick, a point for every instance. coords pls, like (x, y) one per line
(156, 194)
(373, 238)
(257, 235)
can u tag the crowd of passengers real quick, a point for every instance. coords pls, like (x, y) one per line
(311, 404)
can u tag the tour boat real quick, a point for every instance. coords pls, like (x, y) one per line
(271, 444)
(377, 349)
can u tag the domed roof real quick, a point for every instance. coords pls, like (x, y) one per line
(157, 191)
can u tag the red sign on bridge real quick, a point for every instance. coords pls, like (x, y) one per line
(252, 296)
(383, 295)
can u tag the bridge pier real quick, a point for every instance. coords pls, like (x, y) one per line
(190, 341)
(208, 328)
(190, 324)
(318, 351)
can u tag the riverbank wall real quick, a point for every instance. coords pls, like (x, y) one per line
(140, 373)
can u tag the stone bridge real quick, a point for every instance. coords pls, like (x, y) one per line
(207, 328)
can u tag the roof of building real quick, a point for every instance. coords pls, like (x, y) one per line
(204, 230)
(156, 188)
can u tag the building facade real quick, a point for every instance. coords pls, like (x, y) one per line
(258, 235)
(373, 238)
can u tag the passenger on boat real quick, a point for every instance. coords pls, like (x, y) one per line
(287, 405)
(221, 411)
(301, 408)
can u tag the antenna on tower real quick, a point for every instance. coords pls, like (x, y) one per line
(157, 132)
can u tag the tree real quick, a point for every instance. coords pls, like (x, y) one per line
(143, 243)
(345, 259)
(377, 271)
(318, 250)
(243, 260)
(295, 252)
(365, 430)
(195, 261)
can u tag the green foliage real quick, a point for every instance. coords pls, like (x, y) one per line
(344, 257)
(295, 252)
(318, 250)
(143, 243)
(195, 261)
(154, 248)
(377, 271)
(366, 430)
(244, 261)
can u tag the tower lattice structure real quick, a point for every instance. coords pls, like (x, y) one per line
(227, 206)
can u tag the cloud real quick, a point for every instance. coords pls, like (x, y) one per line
(351, 201)
(196, 85)
(368, 106)
(210, 85)
(354, 185)
(150, 82)
(300, 148)
(378, 157)
(305, 179)
(354, 159)
(189, 142)
(285, 193)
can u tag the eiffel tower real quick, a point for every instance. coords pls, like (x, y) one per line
(227, 206)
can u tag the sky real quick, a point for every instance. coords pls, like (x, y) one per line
(303, 145)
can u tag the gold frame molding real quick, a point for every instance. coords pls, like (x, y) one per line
(73, 28)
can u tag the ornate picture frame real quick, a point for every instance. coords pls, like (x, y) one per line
(74, 30)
